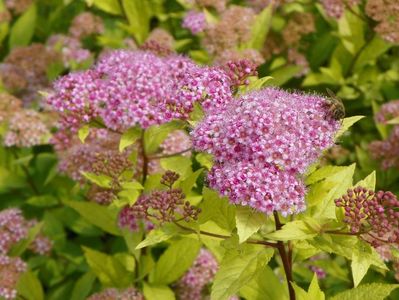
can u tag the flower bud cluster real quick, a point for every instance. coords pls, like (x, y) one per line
(194, 21)
(233, 29)
(218, 5)
(86, 24)
(252, 55)
(14, 228)
(8, 105)
(70, 49)
(115, 294)
(336, 8)
(26, 128)
(262, 143)
(239, 71)
(18, 6)
(386, 13)
(201, 273)
(11, 269)
(298, 25)
(24, 70)
(387, 151)
(159, 206)
(374, 214)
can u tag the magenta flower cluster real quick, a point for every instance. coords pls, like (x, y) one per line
(201, 273)
(129, 88)
(194, 21)
(262, 144)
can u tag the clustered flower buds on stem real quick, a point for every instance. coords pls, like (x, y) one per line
(373, 215)
(112, 293)
(159, 206)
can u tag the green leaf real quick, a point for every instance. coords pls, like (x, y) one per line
(363, 256)
(157, 236)
(260, 29)
(102, 180)
(259, 288)
(351, 31)
(42, 201)
(179, 164)
(83, 286)
(283, 75)
(156, 292)
(29, 286)
(347, 123)
(187, 184)
(109, 270)
(205, 160)
(313, 292)
(138, 13)
(256, 84)
(370, 291)
(129, 137)
(175, 261)
(368, 182)
(340, 182)
(97, 215)
(248, 222)
(23, 29)
(156, 134)
(217, 209)
(295, 230)
(109, 6)
(83, 132)
(237, 269)
(371, 52)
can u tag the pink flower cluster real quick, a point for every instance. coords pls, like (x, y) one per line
(11, 269)
(387, 151)
(336, 8)
(265, 140)
(201, 273)
(112, 293)
(128, 88)
(194, 21)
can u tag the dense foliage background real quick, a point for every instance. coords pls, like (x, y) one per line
(111, 200)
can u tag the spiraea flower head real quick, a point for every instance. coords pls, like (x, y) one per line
(233, 29)
(18, 6)
(288, 130)
(375, 215)
(115, 294)
(129, 88)
(386, 13)
(8, 106)
(262, 143)
(336, 8)
(201, 273)
(13, 228)
(388, 112)
(298, 25)
(11, 269)
(387, 151)
(26, 128)
(261, 186)
(194, 21)
(70, 49)
(86, 24)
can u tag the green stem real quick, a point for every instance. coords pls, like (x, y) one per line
(28, 176)
(224, 237)
(145, 159)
